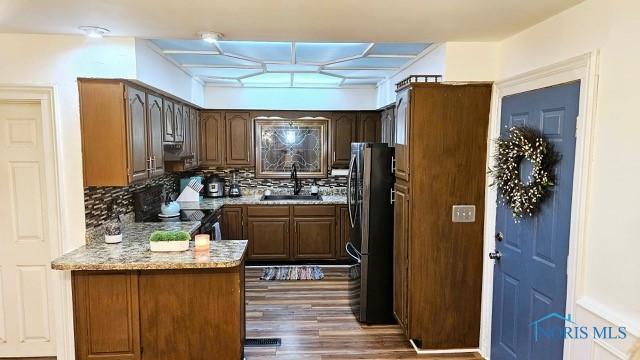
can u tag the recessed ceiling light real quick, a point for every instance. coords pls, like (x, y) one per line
(94, 31)
(211, 37)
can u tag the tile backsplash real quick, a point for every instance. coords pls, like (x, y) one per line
(96, 199)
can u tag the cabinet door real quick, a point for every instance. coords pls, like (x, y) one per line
(401, 254)
(344, 133)
(137, 126)
(344, 227)
(106, 315)
(368, 126)
(403, 117)
(239, 138)
(155, 120)
(178, 120)
(212, 138)
(268, 238)
(388, 127)
(314, 238)
(169, 124)
(232, 226)
(194, 118)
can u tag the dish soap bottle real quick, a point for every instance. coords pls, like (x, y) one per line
(314, 188)
(113, 226)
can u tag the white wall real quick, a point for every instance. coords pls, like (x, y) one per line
(218, 97)
(468, 61)
(57, 60)
(155, 70)
(609, 287)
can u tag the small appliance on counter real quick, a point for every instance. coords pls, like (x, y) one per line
(234, 189)
(213, 186)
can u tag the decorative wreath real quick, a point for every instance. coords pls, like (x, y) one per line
(520, 144)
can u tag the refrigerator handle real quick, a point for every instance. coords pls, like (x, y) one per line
(393, 196)
(353, 159)
(348, 247)
(393, 164)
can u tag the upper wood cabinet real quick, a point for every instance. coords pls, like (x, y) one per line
(169, 122)
(137, 133)
(155, 116)
(194, 133)
(239, 138)
(388, 124)
(120, 133)
(369, 126)
(213, 136)
(402, 125)
(179, 123)
(344, 133)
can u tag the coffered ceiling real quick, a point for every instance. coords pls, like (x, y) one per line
(289, 64)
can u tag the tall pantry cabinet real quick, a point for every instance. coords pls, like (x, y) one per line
(441, 143)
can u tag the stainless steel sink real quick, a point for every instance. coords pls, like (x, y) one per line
(290, 197)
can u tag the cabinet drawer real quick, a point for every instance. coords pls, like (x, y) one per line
(314, 210)
(267, 211)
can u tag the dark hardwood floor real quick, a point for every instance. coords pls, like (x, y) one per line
(315, 322)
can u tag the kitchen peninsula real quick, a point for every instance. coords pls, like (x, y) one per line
(130, 303)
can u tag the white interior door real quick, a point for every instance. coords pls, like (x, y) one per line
(26, 316)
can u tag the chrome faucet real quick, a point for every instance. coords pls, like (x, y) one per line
(297, 186)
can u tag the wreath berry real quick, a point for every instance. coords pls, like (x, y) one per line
(524, 143)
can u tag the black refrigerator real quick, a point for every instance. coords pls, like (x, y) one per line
(370, 245)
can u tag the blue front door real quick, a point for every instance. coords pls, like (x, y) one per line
(530, 279)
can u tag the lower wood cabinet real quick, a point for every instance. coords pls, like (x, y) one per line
(401, 254)
(159, 314)
(284, 233)
(233, 223)
(313, 238)
(342, 234)
(268, 238)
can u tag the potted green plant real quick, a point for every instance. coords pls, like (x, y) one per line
(162, 241)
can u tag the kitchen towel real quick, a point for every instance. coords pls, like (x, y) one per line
(217, 235)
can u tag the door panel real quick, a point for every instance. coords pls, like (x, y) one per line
(195, 136)
(169, 124)
(179, 123)
(26, 316)
(344, 133)
(137, 125)
(400, 254)
(402, 129)
(239, 138)
(155, 116)
(232, 227)
(314, 238)
(369, 126)
(268, 238)
(530, 278)
(343, 232)
(212, 138)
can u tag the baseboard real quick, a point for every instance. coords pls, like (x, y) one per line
(443, 351)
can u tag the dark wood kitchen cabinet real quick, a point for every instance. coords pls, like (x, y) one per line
(445, 125)
(179, 123)
(155, 115)
(369, 126)
(344, 126)
(400, 253)
(158, 314)
(121, 135)
(213, 136)
(344, 227)
(387, 129)
(137, 123)
(233, 223)
(239, 138)
(169, 121)
(268, 238)
(106, 314)
(314, 232)
(194, 134)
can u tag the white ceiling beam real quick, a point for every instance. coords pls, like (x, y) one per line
(360, 68)
(217, 66)
(391, 56)
(293, 52)
(192, 52)
(367, 50)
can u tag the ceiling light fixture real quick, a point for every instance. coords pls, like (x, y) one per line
(211, 37)
(94, 31)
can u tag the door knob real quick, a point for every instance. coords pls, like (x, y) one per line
(499, 236)
(495, 255)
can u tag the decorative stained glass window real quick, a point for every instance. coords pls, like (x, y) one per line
(282, 143)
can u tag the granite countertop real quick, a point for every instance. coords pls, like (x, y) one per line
(215, 204)
(133, 252)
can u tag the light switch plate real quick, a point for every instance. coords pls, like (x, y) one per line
(463, 213)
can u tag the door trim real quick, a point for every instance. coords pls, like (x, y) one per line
(60, 281)
(585, 69)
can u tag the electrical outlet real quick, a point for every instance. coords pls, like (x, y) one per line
(463, 213)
